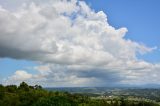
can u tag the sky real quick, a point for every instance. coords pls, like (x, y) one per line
(74, 43)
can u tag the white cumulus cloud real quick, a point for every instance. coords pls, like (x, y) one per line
(75, 45)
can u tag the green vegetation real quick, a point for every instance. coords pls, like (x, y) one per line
(25, 95)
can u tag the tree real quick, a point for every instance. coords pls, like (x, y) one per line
(116, 103)
(2, 92)
(24, 86)
(55, 101)
(11, 88)
(38, 87)
(123, 103)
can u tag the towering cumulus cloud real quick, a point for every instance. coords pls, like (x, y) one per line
(74, 45)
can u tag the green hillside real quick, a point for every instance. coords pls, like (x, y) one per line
(25, 95)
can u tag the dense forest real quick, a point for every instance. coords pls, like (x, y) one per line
(25, 95)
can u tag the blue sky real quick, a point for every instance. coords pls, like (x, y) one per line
(8, 66)
(140, 17)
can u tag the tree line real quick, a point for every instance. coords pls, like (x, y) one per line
(25, 95)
